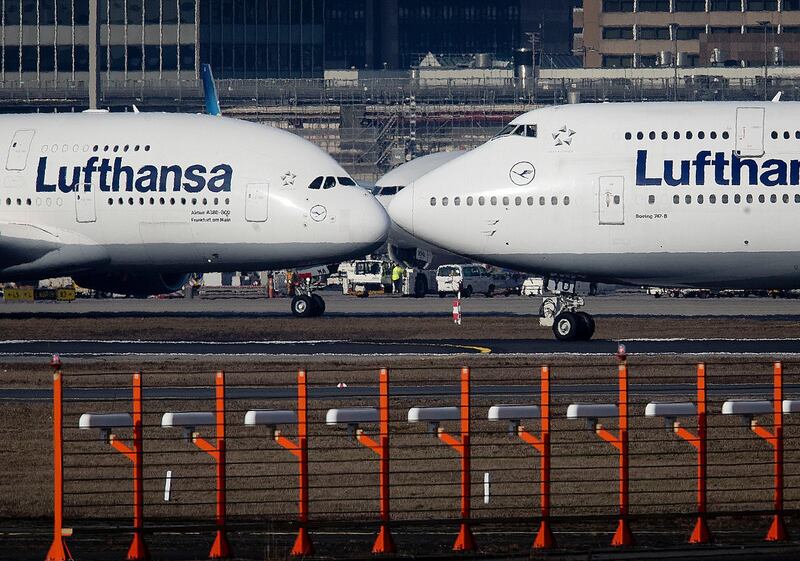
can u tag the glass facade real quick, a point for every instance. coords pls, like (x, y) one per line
(144, 39)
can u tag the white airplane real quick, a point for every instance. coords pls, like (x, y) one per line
(401, 246)
(132, 202)
(659, 194)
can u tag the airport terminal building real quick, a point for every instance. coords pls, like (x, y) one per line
(46, 41)
(646, 33)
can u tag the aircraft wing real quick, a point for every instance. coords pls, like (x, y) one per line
(30, 251)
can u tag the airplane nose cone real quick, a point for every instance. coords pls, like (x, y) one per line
(373, 222)
(401, 209)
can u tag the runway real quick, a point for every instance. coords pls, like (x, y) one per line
(105, 348)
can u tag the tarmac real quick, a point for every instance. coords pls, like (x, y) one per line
(623, 303)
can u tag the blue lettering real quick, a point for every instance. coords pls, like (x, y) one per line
(641, 170)
(774, 173)
(41, 186)
(195, 180)
(222, 182)
(65, 187)
(116, 176)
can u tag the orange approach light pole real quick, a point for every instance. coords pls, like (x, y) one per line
(384, 542)
(465, 540)
(777, 530)
(138, 549)
(58, 549)
(299, 449)
(220, 548)
(623, 535)
(544, 537)
(700, 533)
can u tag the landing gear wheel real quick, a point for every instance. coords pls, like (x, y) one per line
(586, 326)
(566, 326)
(302, 306)
(317, 305)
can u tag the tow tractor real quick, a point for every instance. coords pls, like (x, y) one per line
(368, 275)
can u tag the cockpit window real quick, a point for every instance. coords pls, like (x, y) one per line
(330, 183)
(526, 130)
(518, 130)
(392, 190)
(508, 129)
(316, 184)
(346, 181)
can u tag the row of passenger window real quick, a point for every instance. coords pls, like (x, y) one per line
(786, 135)
(725, 199)
(121, 201)
(29, 202)
(163, 201)
(493, 201)
(96, 148)
(677, 135)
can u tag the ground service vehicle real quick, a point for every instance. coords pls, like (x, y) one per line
(468, 279)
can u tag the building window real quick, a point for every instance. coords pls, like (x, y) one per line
(762, 5)
(617, 61)
(690, 5)
(617, 5)
(653, 6)
(726, 5)
(618, 33)
(689, 33)
(648, 33)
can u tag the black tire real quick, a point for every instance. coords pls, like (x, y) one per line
(317, 305)
(490, 291)
(302, 307)
(586, 324)
(420, 286)
(566, 326)
(442, 294)
(467, 292)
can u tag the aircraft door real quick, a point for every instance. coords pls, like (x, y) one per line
(611, 195)
(750, 131)
(257, 203)
(18, 150)
(84, 204)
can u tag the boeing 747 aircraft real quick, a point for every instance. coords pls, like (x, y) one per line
(664, 194)
(401, 247)
(132, 203)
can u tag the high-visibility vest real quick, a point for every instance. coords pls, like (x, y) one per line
(397, 273)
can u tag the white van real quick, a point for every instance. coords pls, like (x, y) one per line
(469, 278)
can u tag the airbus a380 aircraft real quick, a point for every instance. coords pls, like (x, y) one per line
(663, 194)
(131, 203)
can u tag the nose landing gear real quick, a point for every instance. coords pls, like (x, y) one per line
(306, 304)
(561, 313)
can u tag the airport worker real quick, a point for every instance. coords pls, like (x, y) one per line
(397, 278)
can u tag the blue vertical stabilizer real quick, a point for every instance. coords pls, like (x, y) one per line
(210, 91)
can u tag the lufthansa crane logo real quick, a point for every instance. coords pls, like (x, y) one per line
(522, 173)
(318, 213)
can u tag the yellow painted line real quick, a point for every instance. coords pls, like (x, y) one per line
(482, 350)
